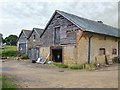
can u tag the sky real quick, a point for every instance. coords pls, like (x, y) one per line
(23, 14)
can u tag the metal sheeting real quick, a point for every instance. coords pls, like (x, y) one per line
(34, 53)
(39, 31)
(27, 33)
(89, 25)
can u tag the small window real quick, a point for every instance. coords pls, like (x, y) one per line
(102, 51)
(114, 51)
(33, 36)
(70, 24)
(104, 37)
(57, 35)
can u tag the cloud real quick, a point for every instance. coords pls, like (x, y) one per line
(15, 16)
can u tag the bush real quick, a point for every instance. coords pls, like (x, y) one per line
(9, 51)
(9, 54)
(25, 56)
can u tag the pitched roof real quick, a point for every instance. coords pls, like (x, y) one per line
(89, 25)
(27, 33)
(38, 31)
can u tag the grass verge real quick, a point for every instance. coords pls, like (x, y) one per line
(7, 84)
(76, 67)
(60, 65)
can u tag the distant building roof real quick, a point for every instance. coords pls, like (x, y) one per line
(27, 32)
(38, 31)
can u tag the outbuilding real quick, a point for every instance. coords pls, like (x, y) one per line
(35, 43)
(22, 43)
(71, 39)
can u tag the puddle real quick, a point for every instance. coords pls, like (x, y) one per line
(6, 69)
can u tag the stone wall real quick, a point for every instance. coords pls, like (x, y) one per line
(45, 51)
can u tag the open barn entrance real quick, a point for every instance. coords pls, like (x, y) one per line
(56, 54)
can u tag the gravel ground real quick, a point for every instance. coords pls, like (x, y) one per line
(28, 75)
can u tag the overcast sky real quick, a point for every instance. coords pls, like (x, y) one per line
(15, 16)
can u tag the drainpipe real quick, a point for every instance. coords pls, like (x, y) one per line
(89, 48)
(118, 50)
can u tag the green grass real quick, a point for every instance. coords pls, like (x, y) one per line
(60, 65)
(9, 51)
(7, 84)
(75, 67)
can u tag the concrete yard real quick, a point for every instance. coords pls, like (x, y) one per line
(28, 75)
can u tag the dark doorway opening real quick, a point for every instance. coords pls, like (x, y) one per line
(57, 55)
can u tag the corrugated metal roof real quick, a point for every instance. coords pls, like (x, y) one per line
(39, 31)
(90, 25)
(27, 32)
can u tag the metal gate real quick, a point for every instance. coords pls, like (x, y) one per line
(34, 53)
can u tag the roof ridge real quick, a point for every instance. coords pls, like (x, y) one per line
(25, 30)
(37, 28)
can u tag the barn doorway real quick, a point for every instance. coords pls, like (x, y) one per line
(56, 54)
(22, 48)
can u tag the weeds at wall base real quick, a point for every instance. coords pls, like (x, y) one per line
(75, 67)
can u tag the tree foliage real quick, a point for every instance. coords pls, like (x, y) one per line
(11, 40)
(1, 37)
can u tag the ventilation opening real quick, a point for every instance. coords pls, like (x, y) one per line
(57, 55)
(100, 21)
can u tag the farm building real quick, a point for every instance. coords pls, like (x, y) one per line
(22, 43)
(71, 39)
(34, 43)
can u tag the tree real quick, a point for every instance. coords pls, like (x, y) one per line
(11, 40)
(1, 37)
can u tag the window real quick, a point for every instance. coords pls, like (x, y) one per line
(57, 35)
(70, 33)
(114, 51)
(33, 36)
(102, 51)
(70, 24)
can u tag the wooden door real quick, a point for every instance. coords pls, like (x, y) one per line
(119, 49)
(34, 53)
